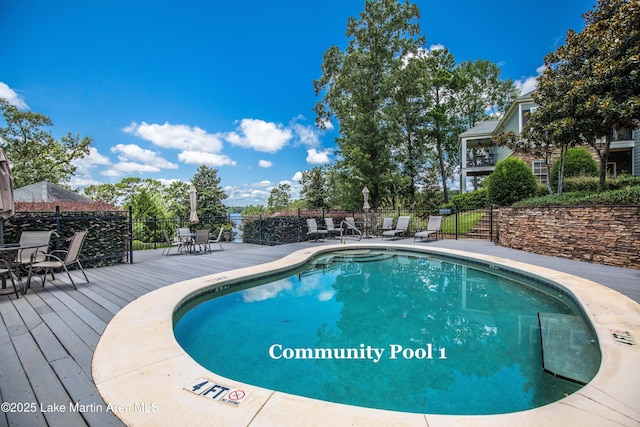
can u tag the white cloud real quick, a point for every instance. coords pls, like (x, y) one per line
(328, 124)
(248, 194)
(179, 137)
(204, 158)
(308, 135)
(168, 182)
(93, 159)
(316, 157)
(297, 176)
(262, 136)
(12, 97)
(265, 163)
(148, 158)
(436, 46)
(80, 181)
(84, 168)
(133, 167)
(527, 84)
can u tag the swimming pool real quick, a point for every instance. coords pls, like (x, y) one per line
(138, 360)
(389, 329)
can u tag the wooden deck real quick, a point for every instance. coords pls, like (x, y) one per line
(48, 336)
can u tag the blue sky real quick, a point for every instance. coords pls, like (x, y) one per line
(164, 86)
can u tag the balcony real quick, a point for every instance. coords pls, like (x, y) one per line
(480, 159)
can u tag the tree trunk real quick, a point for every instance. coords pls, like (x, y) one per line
(442, 170)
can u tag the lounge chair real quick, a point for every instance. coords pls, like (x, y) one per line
(53, 262)
(352, 225)
(171, 243)
(387, 224)
(314, 230)
(218, 240)
(401, 228)
(433, 227)
(331, 229)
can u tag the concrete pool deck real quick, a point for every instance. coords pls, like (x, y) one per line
(155, 386)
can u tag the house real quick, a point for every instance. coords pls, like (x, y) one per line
(46, 192)
(479, 154)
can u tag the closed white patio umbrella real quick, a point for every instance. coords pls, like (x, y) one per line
(193, 218)
(6, 193)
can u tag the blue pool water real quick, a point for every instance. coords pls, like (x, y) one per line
(383, 329)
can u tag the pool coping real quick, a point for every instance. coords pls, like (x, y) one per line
(142, 373)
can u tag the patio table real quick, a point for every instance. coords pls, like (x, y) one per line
(187, 241)
(5, 253)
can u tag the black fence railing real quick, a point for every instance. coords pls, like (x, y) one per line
(107, 241)
(114, 235)
(291, 227)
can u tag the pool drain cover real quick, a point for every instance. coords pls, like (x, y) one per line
(623, 337)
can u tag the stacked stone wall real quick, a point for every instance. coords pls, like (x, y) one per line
(607, 235)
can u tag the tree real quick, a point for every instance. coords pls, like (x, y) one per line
(411, 151)
(107, 193)
(441, 85)
(280, 198)
(210, 195)
(34, 154)
(176, 197)
(598, 71)
(482, 93)
(144, 205)
(357, 87)
(314, 189)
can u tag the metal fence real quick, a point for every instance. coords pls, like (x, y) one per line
(291, 227)
(113, 236)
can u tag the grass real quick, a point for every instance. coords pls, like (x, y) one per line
(467, 222)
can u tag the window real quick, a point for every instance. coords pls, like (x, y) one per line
(622, 134)
(539, 169)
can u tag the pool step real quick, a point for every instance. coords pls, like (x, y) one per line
(567, 348)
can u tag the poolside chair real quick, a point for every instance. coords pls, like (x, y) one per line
(184, 234)
(352, 225)
(5, 270)
(53, 262)
(171, 243)
(401, 228)
(36, 245)
(387, 224)
(433, 227)
(202, 240)
(217, 240)
(314, 230)
(332, 231)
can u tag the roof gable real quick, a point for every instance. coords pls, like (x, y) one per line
(47, 192)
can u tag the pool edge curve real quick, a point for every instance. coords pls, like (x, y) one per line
(144, 387)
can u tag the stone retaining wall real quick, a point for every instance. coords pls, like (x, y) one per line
(601, 234)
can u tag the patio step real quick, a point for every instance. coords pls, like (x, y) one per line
(564, 339)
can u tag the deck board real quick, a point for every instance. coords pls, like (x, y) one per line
(47, 337)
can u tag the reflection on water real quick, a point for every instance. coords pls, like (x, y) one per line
(485, 326)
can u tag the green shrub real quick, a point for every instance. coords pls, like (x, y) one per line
(577, 162)
(580, 184)
(471, 200)
(511, 181)
(623, 181)
(627, 196)
(542, 190)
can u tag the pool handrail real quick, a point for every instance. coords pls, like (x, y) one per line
(343, 236)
